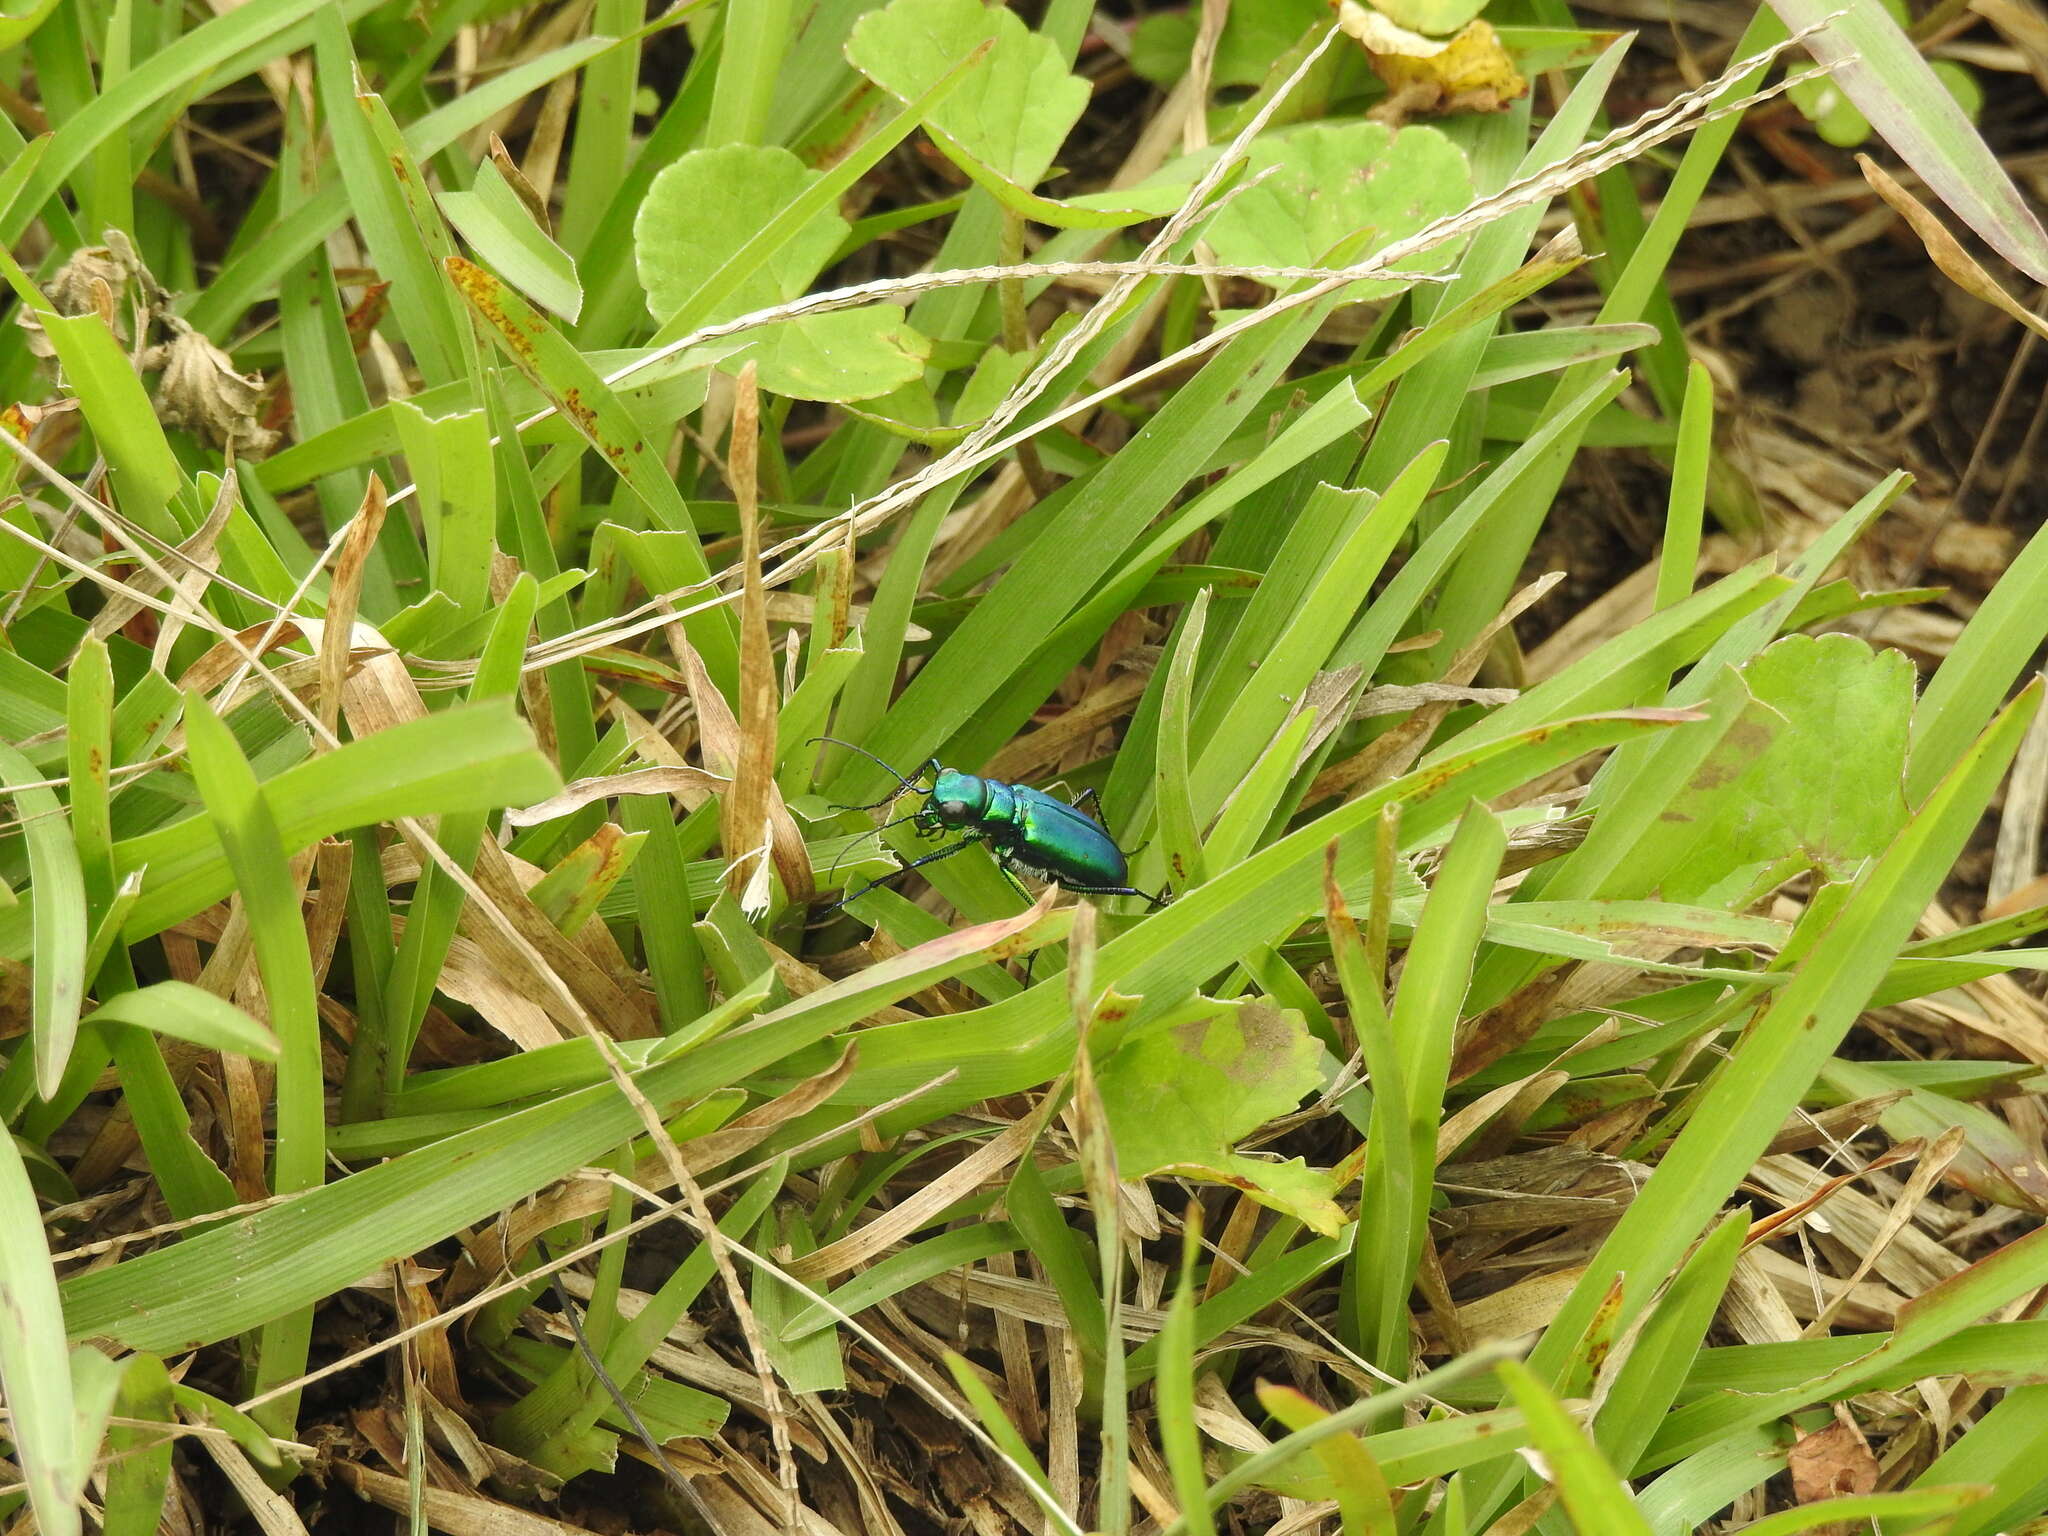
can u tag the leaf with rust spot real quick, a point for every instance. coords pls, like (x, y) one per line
(1180, 1096)
(1810, 774)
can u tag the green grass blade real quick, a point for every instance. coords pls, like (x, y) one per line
(747, 69)
(1180, 829)
(1594, 1497)
(406, 246)
(1005, 1435)
(62, 929)
(602, 151)
(1008, 624)
(1686, 508)
(248, 833)
(425, 767)
(1915, 1509)
(1424, 1019)
(1021, 1043)
(438, 901)
(1252, 1469)
(187, 1012)
(573, 387)
(1879, 68)
(1179, 1437)
(1365, 1505)
(1994, 647)
(238, 1276)
(34, 1366)
(1651, 1368)
(254, 272)
(112, 399)
(1312, 634)
(139, 1450)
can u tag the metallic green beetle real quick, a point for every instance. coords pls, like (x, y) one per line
(1024, 828)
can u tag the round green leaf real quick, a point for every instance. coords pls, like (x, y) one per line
(1324, 185)
(1812, 773)
(1015, 112)
(848, 354)
(704, 207)
(1436, 17)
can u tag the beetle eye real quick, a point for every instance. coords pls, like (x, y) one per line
(953, 810)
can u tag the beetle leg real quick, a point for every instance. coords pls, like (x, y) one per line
(1009, 874)
(930, 858)
(1162, 899)
(885, 826)
(944, 853)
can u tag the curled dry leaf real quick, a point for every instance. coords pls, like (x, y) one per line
(1829, 1463)
(90, 282)
(200, 390)
(1433, 77)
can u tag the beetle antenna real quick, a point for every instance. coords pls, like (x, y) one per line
(864, 752)
(909, 786)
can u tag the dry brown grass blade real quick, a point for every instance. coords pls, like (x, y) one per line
(893, 1226)
(414, 1299)
(472, 975)
(554, 961)
(589, 1194)
(273, 1512)
(725, 744)
(1831, 1127)
(1389, 756)
(1020, 1378)
(691, 786)
(1513, 1312)
(458, 1514)
(199, 555)
(2009, 1013)
(1798, 1210)
(174, 607)
(1946, 252)
(743, 818)
(1030, 755)
(2016, 862)
(1505, 1108)
(343, 594)
(332, 861)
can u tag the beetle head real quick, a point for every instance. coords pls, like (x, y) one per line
(957, 799)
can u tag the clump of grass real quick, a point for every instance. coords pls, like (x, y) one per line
(440, 1064)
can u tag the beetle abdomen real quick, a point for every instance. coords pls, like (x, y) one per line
(1063, 845)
